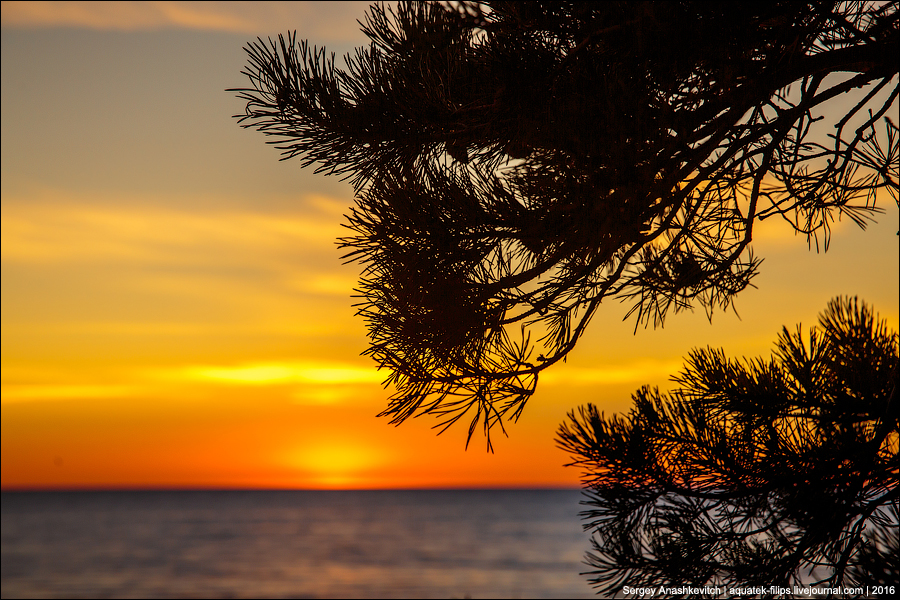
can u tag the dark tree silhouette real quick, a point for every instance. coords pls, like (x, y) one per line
(517, 163)
(752, 473)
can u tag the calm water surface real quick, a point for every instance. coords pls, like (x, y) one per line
(346, 544)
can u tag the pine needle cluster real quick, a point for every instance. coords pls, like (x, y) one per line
(777, 472)
(518, 163)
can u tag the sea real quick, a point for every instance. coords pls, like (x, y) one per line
(299, 544)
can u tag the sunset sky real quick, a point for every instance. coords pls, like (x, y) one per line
(175, 312)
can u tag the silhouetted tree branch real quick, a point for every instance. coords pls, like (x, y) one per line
(752, 473)
(515, 164)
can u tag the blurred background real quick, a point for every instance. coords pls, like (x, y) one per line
(176, 315)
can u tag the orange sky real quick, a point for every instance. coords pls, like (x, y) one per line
(174, 309)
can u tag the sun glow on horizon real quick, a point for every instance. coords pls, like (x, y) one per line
(335, 463)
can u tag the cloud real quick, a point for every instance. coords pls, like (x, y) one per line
(67, 232)
(136, 275)
(328, 21)
(149, 329)
(125, 16)
(637, 372)
(316, 381)
(26, 392)
(309, 372)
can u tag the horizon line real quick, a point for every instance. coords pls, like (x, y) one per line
(137, 488)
